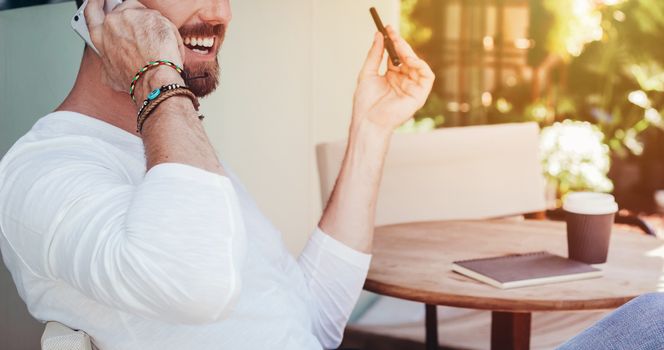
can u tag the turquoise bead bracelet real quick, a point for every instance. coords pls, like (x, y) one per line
(154, 94)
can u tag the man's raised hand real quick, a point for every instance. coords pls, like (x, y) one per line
(391, 99)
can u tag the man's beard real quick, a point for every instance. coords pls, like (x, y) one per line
(202, 77)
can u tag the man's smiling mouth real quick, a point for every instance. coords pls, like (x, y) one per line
(200, 45)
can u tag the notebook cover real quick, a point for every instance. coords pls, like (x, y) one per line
(519, 269)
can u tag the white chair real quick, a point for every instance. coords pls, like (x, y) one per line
(451, 174)
(474, 172)
(60, 337)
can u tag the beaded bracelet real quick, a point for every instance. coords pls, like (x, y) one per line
(147, 67)
(154, 94)
(160, 95)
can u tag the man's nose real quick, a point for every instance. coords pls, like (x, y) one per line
(216, 12)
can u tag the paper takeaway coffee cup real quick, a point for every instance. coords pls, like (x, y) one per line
(589, 218)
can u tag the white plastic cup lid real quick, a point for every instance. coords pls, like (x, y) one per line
(590, 203)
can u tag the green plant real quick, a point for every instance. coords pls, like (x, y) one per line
(602, 63)
(575, 157)
(613, 58)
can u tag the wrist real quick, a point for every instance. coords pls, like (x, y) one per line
(366, 130)
(177, 109)
(369, 140)
(153, 79)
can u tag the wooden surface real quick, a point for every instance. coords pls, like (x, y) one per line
(413, 261)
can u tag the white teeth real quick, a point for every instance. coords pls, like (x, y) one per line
(202, 52)
(196, 41)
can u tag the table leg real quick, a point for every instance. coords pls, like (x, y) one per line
(510, 331)
(431, 323)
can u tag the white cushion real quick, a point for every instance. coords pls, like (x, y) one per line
(60, 337)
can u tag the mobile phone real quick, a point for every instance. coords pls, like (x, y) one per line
(389, 45)
(80, 26)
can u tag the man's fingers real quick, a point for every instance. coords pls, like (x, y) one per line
(181, 47)
(423, 73)
(411, 89)
(391, 67)
(374, 57)
(94, 13)
(412, 66)
(394, 80)
(129, 4)
(94, 17)
(403, 49)
(414, 75)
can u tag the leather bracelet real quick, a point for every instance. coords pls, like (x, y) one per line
(154, 94)
(158, 97)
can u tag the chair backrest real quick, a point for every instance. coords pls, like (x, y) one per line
(18, 330)
(473, 172)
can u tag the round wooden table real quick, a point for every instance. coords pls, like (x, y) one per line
(413, 261)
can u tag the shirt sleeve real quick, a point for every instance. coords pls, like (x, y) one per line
(169, 247)
(335, 275)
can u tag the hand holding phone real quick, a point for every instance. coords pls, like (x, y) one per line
(128, 38)
(80, 25)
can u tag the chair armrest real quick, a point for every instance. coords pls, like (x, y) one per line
(636, 221)
(57, 336)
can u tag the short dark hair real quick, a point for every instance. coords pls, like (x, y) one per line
(79, 3)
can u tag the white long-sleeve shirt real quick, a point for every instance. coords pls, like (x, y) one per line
(172, 258)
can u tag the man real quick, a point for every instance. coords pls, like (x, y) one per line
(146, 240)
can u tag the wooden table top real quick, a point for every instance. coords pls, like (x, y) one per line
(413, 261)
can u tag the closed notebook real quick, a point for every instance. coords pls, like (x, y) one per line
(521, 270)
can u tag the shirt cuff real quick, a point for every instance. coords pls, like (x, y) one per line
(341, 250)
